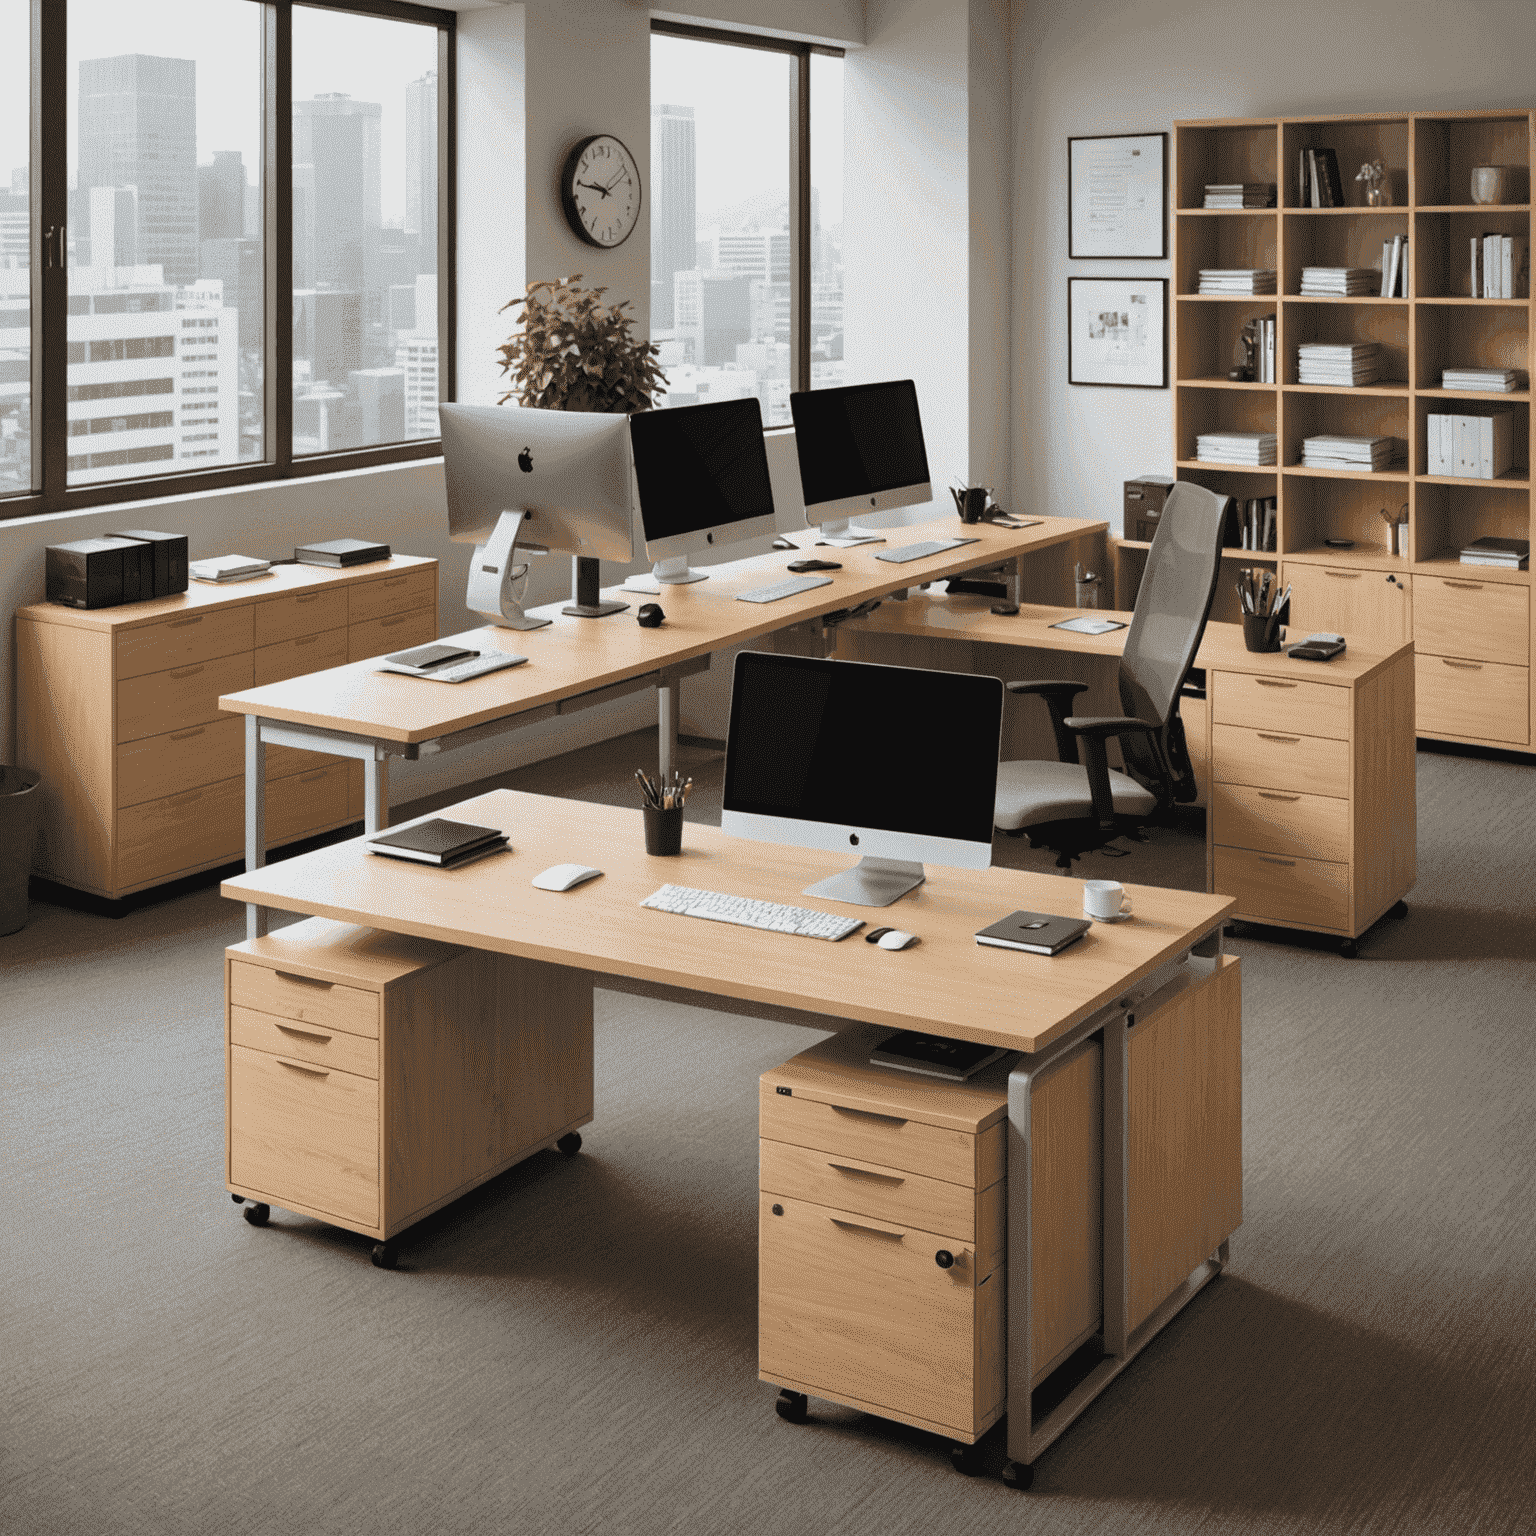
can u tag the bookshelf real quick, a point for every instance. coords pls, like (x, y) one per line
(1471, 625)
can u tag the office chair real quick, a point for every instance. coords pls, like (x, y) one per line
(1073, 808)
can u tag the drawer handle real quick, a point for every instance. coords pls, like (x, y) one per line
(1271, 736)
(1273, 682)
(299, 1066)
(187, 672)
(188, 735)
(184, 623)
(404, 618)
(860, 1226)
(1466, 666)
(868, 1173)
(307, 640)
(182, 800)
(1269, 794)
(314, 597)
(305, 981)
(392, 581)
(1466, 586)
(308, 1034)
(1265, 858)
(314, 778)
(1344, 575)
(867, 1114)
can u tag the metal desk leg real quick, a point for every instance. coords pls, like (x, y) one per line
(1016, 580)
(375, 793)
(255, 818)
(668, 705)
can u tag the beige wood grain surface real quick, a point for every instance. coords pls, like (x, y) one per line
(304, 1042)
(344, 954)
(1280, 821)
(1281, 704)
(156, 766)
(310, 612)
(1486, 621)
(1284, 888)
(1484, 700)
(1385, 833)
(281, 982)
(1280, 759)
(182, 640)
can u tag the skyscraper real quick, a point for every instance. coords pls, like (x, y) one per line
(338, 139)
(421, 167)
(221, 197)
(138, 128)
(674, 187)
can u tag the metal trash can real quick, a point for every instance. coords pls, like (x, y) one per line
(21, 804)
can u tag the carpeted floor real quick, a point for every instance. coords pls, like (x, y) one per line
(572, 1348)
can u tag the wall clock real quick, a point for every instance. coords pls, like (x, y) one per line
(600, 191)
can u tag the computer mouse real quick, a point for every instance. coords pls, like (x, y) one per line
(650, 616)
(894, 938)
(814, 565)
(1005, 610)
(784, 544)
(561, 877)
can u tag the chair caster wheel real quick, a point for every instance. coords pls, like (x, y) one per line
(1348, 948)
(1018, 1475)
(1398, 909)
(569, 1144)
(238, 1199)
(385, 1256)
(257, 1214)
(966, 1459)
(791, 1406)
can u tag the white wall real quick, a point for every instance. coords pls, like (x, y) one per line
(1105, 66)
(838, 23)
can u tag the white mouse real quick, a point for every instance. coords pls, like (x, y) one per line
(561, 877)
(896, 939)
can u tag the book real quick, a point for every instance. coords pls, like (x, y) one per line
(1330, 186)
(341, 552)
(935, 1055)
(218, 568)
(1490, 550)
(438, 841)
(1041, 933)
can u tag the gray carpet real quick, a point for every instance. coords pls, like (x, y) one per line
(572, 1348)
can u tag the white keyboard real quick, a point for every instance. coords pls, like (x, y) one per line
(786, 588)
(917, 551)
(770, 916)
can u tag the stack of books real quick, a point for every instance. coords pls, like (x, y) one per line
(1356, 453)
(1471, 447)
(1500, 267)
(1496, 381)
(221, 568)
(1346, 366)
(1239, 194)
(439, 842)
(1394, 267)
(1318, 184)
(1337, 282)
(1237, 280)
(341, 552)
(1235, 447)
(1510, 554)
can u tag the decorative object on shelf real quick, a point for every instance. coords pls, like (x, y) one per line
(1117, 331)
(1397, 529)
(1086, 584)
(1242, 369)
(1117, 193)
(600, 191)
(1492, 183)
(1378, 187)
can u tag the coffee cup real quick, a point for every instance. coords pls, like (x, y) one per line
(1105, 900)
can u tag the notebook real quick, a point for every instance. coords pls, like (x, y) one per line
(1041, 933)
(438, 841)
(341, 552)
(934, 1055)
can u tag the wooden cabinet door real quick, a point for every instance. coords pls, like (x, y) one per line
(1364, 606)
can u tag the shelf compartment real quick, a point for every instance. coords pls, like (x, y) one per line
(1380, 320)
(1249, 238)
(1319, 507)
(1470, 335)
(1454, 403)
(1229, 152)
(1448, 515)
(1448, 563)
(1222, 410)
(1445, 149)
(1441, 264)
(1351, 415)
(1346, 242)
(1355, 141)
(1207, 332)
(1364, 556)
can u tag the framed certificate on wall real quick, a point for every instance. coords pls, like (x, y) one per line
(1117, 331)
(1117, 196)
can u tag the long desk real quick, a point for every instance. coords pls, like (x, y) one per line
(356, 711)
(1154, 998)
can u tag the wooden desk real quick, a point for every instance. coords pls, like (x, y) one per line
(1308, 769)
(1155, 994)
(356, 711)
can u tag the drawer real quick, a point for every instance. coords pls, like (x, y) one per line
(161, 838)
(171, 701)
(306, 803)
(392, 594)
(179, 641)
(305, 1042)
(307, 653)
(1457, 697)
(887, 1193)
(1274, 888)
(908, 1146)
(157, 766)
(393, 633)
(859, 1311)
(300, 613)
(284, 762)
(1483, 620)
(1280, 821)
(1275, 759)
(304, 1134)
(1280, 704)
(290, 995)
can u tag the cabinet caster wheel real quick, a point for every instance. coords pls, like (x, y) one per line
(385, 1256)
(569, 1144)
(966, 1459)
(1018, 1475)
(1348, 948)
(257, 1214)
(1398, 909)
(238, 1199)
(791, 1407)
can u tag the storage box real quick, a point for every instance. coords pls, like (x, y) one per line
(1145, 498)
(98, 573)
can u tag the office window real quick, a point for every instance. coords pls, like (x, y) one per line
(16, 472)
(826, 232)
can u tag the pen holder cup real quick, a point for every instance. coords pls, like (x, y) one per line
(663, 830)
(1261, 631)
(970, 503)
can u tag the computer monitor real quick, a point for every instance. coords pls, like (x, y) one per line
(555, 481)
(897, 763)
(701, 471)
(861, 450)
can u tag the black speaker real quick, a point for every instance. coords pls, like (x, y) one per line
(99, 573)
(170, 559)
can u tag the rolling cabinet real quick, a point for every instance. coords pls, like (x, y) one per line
(117, 708)
(372, 1078)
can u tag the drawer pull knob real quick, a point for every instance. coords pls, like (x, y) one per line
(1466, 666)
(300, 1066)
(1273, 682)
(308, 1034)
(184, 623)
(868, 1173)
(305, 981)
(944, 1259)
(1271, 736)
(1269, 794)
(187, 672)
(1265, 858)
(188, 735)
(860, 1226)
(868, 1114)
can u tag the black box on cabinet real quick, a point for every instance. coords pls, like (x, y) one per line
(1144, 500)
(99, 573)
(170, 559)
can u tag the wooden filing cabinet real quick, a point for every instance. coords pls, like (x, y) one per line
(1472, 641)
(117, 708)
(372, 1078)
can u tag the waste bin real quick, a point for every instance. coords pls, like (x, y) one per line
(20, 806)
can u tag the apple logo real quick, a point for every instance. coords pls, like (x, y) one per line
(871, 501)
(525, 461)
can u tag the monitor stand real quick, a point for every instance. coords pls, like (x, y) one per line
(675, 572)
(870, 883)
(492, 572)
(843, 535)
(586, 598)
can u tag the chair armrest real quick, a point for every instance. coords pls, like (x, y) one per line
(1095, 730)
(1107, 725)
(1058, 695)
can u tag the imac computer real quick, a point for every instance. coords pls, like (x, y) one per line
(552, 481)
(897, 764)
(701, 470)
(860, 450)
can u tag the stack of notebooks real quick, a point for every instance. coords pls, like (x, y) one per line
(1471, 447)
(221, 568)
(1348, 365)
(341, 552)
(1500, 267)
(1328, 452)
(1497, 381)
(1337, 282)
(447, 844)
(1394, 267)
(1239, 194)
(1235, 447)
(1217, 280)
(1510, 554)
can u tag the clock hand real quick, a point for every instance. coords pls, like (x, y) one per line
(623, 172)
(592, 186)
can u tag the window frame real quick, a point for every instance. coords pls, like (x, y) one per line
(49, 217)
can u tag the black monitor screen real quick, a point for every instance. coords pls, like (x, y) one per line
(844, 742)
(859, 440)
(700, 466)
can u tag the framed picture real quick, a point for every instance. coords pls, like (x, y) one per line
(1117, 331)
(1118, 196)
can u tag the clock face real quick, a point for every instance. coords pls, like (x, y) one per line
(600, 190)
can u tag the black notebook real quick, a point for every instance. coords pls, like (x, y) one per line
(437, 841)
(1041, 933)
(934, 1055)
(341, 552)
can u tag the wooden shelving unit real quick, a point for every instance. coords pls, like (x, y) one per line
(1471, 625)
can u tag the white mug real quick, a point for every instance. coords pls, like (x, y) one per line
(1105, 900)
